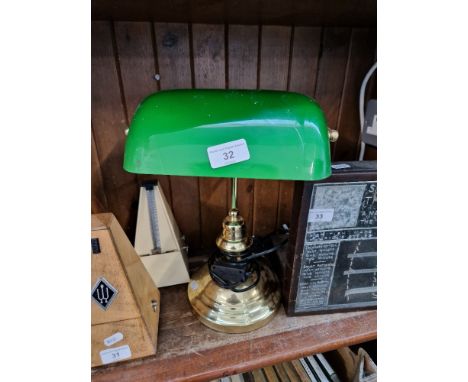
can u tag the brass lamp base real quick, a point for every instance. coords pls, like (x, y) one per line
(227, 311)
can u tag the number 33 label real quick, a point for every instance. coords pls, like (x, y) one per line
(321, 215)
(228, 153)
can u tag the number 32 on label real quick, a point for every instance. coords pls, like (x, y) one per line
(228, 153)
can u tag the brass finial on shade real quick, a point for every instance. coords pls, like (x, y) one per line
(333, 135)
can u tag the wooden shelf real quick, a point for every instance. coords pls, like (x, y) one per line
(188, 351)
(286, 12)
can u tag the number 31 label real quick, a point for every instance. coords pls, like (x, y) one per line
(228, 153)
(115, 354)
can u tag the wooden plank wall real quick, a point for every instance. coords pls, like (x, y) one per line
(326, 63)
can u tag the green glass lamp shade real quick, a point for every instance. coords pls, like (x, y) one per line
(285, 134)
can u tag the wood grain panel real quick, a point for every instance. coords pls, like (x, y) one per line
(302, 79)
(173, 47)
(361, 58)
(209, 72)
(172, 41)
(138, 68)
(285, 201)
(243, 56)
(265, 206)
(136, 59)
(243, 61)
(331, 74)
(274, 57)
(214, 207)
(109, 124)
(371, 91)
(98, 195)
(304, 60)
(274, 67)
(208, 56)
(245, 201)
(186, 208)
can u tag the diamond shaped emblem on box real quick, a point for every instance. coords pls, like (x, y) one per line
(103, 293)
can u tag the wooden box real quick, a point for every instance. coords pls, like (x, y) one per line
(124, 300)
(331, 261)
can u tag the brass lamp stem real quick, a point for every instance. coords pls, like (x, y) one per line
(233, 193)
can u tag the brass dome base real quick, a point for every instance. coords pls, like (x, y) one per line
(235, 312)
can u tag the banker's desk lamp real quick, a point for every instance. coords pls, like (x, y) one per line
(231, 134)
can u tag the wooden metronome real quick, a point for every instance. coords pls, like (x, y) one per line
(158, 240)
(125, 302)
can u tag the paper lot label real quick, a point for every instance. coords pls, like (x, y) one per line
(228, 153)
(321, 215)
(115, 354)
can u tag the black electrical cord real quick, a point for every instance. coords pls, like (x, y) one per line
(266, 252)
(257, 279)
